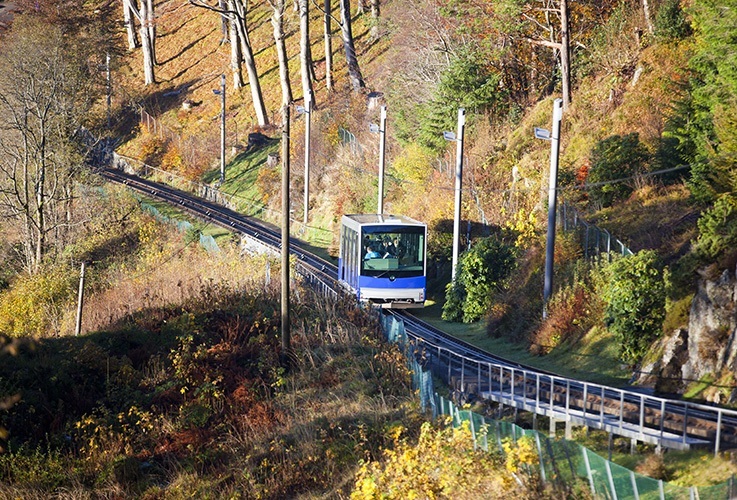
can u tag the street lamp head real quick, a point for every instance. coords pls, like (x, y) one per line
(449, 136)
(216, 91)
(541, 133)
(374, 127)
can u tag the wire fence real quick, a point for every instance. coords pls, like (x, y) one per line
(560, 461)
(594, 240)
(205, 240)
(214, 194)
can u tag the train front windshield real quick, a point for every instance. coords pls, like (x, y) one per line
(395, 250)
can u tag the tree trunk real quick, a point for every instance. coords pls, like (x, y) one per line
(305, 61)
(360, 7)
(648, 18)
(354, 71)
(146, 48)
(152, 29)
(236, 56)
(277, 21)
(565, 65)
(328, 49)
(130, 25)
(375, 11)
(224, 22)
(253, 81)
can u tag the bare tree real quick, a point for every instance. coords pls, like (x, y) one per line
(328, 47)
(360, 7)
(305, 56)
(648, 17)
(236, 55)
(145, 16)
(375, 12)
(277, 21)
(354, 71)
(130, 26)
(45, 93)
(237, 12)
(562, 47)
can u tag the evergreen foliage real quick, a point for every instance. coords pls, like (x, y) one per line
(614, 161)
(466, 83)
(713, 118)
(481, 270)
(718, 229)
(670, 23)
(634, 291)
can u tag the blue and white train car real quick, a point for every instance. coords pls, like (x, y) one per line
(382, 259)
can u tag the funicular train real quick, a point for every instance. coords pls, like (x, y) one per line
(382, 259)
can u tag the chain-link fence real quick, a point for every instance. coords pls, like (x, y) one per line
(206, 241)
(561, 461)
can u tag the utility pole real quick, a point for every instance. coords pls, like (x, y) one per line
(80, 302)
(221, 93)
(222, 129)
(109, 87)
(285, 331)
(459, 183)
(552, 202)
(382, 154)
(308, 115)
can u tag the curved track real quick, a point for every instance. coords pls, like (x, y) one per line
(471, 370)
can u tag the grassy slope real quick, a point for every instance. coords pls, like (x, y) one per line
(199, 63)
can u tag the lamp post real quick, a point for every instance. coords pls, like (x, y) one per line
(285, 326)
(554, 139)
(307, 111)
(221, 93)
(381, 129)
(458, 138)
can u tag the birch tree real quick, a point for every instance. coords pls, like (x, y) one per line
(145, 17)
(305, 56)
(237, 12)
(279, 7)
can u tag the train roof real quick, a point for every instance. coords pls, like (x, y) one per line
(383, 219)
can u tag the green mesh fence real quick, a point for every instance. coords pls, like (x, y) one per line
(560, 461)
(207, 242)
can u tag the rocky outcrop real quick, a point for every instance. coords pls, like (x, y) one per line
(707, 348)
(664, 373)
(711, 328)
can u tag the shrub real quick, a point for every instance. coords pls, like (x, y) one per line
(35, 305)
(614, 161)
(443, 464)
(635, 296)
(670, 23)
(481, 270)
(718, 228)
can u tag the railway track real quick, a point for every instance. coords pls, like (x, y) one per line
(472, 371)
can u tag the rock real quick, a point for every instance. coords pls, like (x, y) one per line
(711, 328)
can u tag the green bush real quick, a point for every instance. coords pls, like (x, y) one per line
(718, 228)
(614, 161)
(634, 293)
(670, 23)
(481, 270)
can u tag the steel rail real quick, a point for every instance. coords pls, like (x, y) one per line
(672, 423)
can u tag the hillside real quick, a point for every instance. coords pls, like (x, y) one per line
(647, 155)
